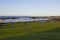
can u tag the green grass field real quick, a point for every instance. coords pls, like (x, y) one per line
(31, 31)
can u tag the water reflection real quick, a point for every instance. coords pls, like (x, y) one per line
(24, 20)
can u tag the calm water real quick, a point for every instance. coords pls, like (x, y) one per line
(23, 20)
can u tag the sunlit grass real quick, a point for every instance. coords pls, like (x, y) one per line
(18, 29)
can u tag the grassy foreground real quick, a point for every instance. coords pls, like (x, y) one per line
(31, 31)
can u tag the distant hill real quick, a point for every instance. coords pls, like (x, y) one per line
(11, 17)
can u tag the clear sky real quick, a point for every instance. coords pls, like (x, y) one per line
(30, 7)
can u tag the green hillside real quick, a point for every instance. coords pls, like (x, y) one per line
(31, 31)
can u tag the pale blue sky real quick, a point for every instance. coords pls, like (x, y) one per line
(30, 7)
